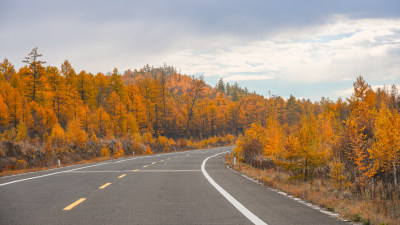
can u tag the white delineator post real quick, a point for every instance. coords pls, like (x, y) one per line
(59, 163)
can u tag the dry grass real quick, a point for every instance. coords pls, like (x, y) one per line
(35, 169)
(323, 193)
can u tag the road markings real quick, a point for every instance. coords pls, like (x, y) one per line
(247, 213)
(104, 186)
(136, 170)
(122, 176)
(168, 171)
(161, 160)
(72, 170)
(153, 163)
(145, 166)
(50, 174)
(74, 204)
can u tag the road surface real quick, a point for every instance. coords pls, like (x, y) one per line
(192, 187)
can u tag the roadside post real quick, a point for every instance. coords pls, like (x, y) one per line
(234, 158)
(59, 161)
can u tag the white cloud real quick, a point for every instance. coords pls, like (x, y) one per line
(344, 93)
(347, 92)
(248, 77)
(335, 51)
(338, 50)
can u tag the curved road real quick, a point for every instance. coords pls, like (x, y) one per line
(158, 189)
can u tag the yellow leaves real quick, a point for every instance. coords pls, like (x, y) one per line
(103, 122)
(105, 152)
(163, 141)
(148, 150)
(22, 132)
(274, 138)
(93, 137)
(228, 139)
(171, 142)
(75, 134)
(57, 137)
(132, 125)
(118, 152)
(21, 164)
(3, 112)
(386, 147)
(148, 138)
(291, 147)
(336, 174)
(258, 140)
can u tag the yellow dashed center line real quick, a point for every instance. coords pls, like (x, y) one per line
(162, 161)
(145, 166)
(104, 186)
(153, 163)
(122, 176)
(168, 158)
(74, 204)
(135, 170)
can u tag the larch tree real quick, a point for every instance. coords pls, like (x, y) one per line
(385, 151)
(6, 70)
(274, 138)
(15, 106)
(164, 94)
(60, 97)
(4, 113)
(117, 85)
(68, 72)
(196, 92)
(309, 146)
(35, 65)
(221, 85)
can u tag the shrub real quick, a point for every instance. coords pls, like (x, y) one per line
(163, 141)
(22, 132)
(21, 164)
(148, 138)
(57, 137)
(148, 150)
(75, 134)
(105, 152)
(118, 152)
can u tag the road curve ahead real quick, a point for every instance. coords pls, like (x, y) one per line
(176, 188)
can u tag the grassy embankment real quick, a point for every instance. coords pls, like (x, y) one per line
(322, 193)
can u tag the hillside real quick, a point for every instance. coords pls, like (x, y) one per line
(352, 146)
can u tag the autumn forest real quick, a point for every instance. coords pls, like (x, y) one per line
(49, 113)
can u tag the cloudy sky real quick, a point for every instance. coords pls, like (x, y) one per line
(306, 48)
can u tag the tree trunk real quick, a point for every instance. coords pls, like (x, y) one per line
(305, 171)
(34, 82)
(395, 175)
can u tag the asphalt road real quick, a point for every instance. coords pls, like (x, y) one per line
(159, 189)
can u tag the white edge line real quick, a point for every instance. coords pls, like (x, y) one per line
(45, 175)
(316, 207)
(247, 213)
